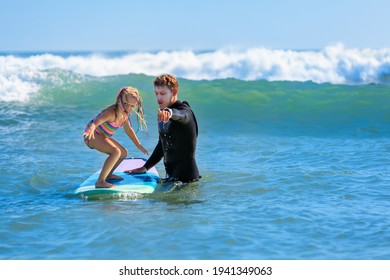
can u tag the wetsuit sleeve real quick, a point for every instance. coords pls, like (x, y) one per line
(183, 115)
(156, 156)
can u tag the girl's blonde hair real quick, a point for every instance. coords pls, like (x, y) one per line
(139, 110)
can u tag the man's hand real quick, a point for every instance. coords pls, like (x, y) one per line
(137, 170)
(163, 115)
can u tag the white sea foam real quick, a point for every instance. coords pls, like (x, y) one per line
(21, 76)
(18, 79)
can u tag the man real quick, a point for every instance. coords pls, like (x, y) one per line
(178, 131)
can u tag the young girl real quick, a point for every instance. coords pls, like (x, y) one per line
(99, 131)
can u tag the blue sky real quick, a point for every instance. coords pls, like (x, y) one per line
(43, 25)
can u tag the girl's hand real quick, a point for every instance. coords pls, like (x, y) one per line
(142, 149)
(90, 133)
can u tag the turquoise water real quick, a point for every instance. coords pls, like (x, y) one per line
(291, 170)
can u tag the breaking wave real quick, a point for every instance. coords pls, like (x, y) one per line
(21, 75)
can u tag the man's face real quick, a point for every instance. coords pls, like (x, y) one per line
(165, 97)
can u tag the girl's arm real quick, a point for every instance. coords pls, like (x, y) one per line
(130, 132)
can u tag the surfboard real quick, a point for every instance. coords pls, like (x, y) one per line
(131, 183)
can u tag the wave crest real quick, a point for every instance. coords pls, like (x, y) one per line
(20, 77)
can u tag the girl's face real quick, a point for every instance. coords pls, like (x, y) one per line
(165, 97)
(129, 103)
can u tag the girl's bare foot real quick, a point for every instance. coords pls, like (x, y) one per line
(103, 185)
(114, 177)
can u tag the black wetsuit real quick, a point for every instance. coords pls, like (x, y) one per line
(177, 144)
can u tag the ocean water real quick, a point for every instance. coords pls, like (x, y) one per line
(293, 149)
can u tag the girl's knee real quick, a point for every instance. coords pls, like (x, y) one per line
(124, 153)
(116, 152)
